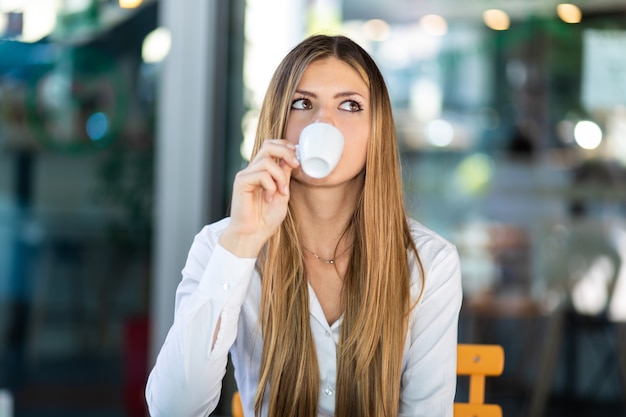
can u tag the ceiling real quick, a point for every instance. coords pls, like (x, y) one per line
(405, 11)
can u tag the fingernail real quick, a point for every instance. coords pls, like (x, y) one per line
(296, 161)
(286, 189)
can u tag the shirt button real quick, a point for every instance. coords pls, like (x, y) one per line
(329, 390)
(327, 333)
(226, 287)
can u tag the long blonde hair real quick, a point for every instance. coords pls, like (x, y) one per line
(376, 292)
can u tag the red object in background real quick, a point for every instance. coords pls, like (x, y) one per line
(136, 365)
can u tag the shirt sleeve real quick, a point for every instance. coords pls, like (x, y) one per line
(429, 377)
(186, 380)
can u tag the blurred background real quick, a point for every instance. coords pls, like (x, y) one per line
(122, 124)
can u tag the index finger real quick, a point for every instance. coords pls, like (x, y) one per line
(280, 149)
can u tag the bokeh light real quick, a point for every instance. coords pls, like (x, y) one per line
(97, 126)
(496, 19)
(376, 30)
(439, 133)
(433, 25)
(587, 134)
(569, 13)
(474, 173)
(130, 4)
(156, 45)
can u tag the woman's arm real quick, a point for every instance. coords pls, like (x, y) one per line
(429, 378)
(187, 378)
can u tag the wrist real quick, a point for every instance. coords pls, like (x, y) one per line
(242, 245)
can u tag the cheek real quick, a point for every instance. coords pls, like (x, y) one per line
(356, 147)
(362, 140)
(292, 131)
(361, 151)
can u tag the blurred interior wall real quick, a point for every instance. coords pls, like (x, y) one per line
(185, 190)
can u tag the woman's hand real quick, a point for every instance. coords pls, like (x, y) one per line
(260, 197)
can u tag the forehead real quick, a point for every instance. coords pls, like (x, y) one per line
(332, 74)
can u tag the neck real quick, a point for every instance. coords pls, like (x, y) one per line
(323, 214)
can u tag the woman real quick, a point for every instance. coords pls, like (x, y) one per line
(330, 301)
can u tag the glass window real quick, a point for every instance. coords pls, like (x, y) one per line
(76, 167)
(512, 124)
(511, 127)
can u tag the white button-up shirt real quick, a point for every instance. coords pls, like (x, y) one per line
(187, 378)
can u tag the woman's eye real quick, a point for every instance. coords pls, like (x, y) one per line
(301, 104)
(351, 105)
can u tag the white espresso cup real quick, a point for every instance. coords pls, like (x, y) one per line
(319, 149)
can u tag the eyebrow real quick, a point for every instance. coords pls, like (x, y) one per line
(338, 95)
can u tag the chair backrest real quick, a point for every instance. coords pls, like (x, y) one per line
(237, 408)
(478, 362)
(475, 361)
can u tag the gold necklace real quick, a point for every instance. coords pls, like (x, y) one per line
(327, 261)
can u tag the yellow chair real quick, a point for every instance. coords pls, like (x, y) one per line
(237, 408)
(475, 361)
(478, 362)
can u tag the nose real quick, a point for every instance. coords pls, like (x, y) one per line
(324, 114)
